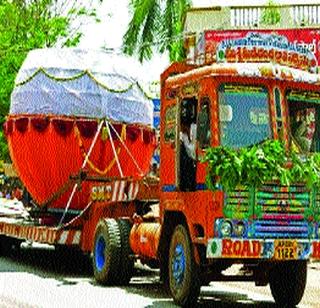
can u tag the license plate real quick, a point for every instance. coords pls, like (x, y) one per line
(285, 250)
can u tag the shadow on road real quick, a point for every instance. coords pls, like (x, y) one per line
(208, 297)
(61, 265)
(47, 263)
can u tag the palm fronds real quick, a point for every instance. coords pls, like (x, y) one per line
(156, 26)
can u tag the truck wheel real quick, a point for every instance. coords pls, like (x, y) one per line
(184, 282)
(126, 261)
(287, 282)
(106, 251)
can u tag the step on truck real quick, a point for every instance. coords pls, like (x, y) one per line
(192, 233)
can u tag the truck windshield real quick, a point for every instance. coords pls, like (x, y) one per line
(304, 116)
(243, 114)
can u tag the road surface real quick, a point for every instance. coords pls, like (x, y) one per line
(42, 278)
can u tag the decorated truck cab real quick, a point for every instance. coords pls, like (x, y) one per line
(272, 228)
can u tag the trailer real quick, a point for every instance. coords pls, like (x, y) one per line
(22, 224)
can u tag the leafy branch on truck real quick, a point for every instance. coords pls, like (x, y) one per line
(258, 164)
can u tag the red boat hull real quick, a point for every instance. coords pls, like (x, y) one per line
(46, 151)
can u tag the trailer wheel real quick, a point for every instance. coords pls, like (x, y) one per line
(106, 251)
(287, 282)
(184, 281)
(126, 260)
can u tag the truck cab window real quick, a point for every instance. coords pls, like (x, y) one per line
(203, 126)
(243, 109)
(187, 136)
(304, 115)
(170, 124)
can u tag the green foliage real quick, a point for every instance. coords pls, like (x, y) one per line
(26, 25)
(253, 166)
(224, 163)
(306, 169)
(261, 163)
(271, 14)
(156, 25)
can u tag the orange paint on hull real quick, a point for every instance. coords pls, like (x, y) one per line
(45, 160)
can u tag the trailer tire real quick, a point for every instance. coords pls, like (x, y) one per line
(287, 282)
(126, 260)
(184, 283)
(106, 252)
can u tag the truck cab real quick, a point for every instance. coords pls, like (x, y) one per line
(273, 229)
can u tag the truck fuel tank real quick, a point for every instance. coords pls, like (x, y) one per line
(144, 239)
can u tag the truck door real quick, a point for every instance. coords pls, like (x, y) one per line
(203, 137)
(186, 151)
(168, 145)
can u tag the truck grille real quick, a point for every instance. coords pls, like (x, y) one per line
(281, 212)
(280, 229)
(237, 204)
(273, 211)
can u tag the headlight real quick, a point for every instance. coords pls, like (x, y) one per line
(239, 229)
(226, 228)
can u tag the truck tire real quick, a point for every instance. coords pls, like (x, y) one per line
(126, 260)
(184, 283)
(287, 282)
(106, 252)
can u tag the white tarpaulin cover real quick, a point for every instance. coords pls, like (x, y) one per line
(79, 82)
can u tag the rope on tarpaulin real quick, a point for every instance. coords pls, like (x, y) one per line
(126, 148)
(114, 149)
(82, 167)
(131, 156)
(90, 163)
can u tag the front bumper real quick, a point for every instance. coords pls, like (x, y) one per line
(275, 249)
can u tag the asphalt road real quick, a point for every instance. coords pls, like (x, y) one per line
(46, 278)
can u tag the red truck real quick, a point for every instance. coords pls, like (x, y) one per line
(192, 233)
